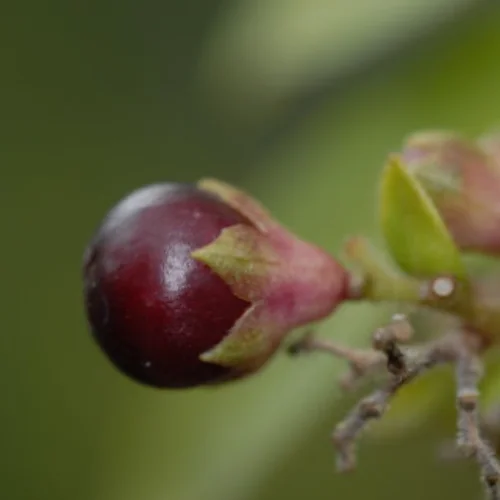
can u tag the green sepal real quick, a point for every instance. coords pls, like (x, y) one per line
(243, 258)
(240, 201)
(247, 344)
(415, 233)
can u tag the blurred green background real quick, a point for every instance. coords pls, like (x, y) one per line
(299, 102)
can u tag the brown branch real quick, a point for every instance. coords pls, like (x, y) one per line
(405, 364)
(361, 361)
(489, 424)
(404, 367)
(469, 371)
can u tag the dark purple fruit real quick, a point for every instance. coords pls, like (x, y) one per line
(152, 308)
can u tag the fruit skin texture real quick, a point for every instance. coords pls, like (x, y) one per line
(198, 285)
(153, 309)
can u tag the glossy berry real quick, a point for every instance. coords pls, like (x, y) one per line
(152, 308)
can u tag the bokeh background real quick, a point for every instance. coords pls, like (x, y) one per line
(297, 101)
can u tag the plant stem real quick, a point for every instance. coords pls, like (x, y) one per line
(380, 281)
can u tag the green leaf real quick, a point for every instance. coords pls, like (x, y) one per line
(414, 231)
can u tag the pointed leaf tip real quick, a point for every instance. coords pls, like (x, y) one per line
(416, 235)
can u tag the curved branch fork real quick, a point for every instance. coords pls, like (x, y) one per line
(404, 364)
